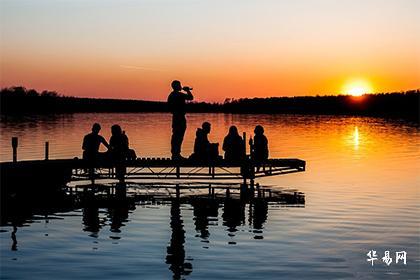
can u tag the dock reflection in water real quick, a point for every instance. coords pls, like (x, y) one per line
(111, 207)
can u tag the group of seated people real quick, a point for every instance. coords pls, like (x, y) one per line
(118, 147)
(233, 145)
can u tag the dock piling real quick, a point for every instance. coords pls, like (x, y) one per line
(14, 147)
(251, 189)
(258, 190)
(47, 150)
(244, 191)
(177, 191)
(244, 139)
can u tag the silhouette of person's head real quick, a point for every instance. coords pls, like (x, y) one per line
(96, 127)
(206, 126)
(116, 129)
(176, 85)
(259, 130)
(233, 130)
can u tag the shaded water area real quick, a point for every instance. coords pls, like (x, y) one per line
(361, 191)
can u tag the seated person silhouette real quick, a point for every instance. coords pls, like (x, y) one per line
(203, 149)
(119, 146)
(233, 145)
(91, 143)
(119, 150)
(259, 147)
(131, 153)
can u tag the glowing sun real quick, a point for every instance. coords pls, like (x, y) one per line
(357, 87)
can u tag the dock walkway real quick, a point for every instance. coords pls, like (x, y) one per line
(165, 168)
(63, 171)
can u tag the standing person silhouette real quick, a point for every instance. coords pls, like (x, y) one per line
(176, 102)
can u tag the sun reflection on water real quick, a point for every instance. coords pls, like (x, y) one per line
(356, 139)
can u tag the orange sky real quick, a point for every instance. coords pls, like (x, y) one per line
(133, 49)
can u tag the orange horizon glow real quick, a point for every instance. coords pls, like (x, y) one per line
(283, 48)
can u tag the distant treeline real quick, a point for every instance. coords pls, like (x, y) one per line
(395, 104)
(19, 100)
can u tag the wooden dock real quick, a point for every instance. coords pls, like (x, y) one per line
(167, 169)
(62, 171)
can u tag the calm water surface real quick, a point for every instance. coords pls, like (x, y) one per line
(361, 188)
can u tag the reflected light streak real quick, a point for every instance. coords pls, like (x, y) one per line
(356, 138)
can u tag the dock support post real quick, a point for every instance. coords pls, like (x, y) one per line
(121, 190)
(92, 175)
(212, 171)
(47, 150)
(244, 139)
(14, 147)
(244, 191)
(258, 190)
(177, 191)
(251, 187)
(178, 171)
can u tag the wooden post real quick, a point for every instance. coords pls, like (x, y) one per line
(14, 147)
(258, 190)
(177, 191)
(243, 191)
(121, 190)
(251, 187)
(47, 149)
(244, 138)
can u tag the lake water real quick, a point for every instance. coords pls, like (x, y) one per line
(361, 188)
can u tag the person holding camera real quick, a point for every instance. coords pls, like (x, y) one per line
(177, 105)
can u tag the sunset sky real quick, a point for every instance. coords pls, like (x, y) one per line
(134, 49)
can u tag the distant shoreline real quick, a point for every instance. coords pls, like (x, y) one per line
(19, 101)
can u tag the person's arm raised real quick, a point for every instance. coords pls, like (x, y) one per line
(188, 95)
